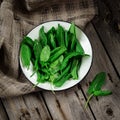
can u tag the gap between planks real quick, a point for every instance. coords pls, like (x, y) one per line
(113, 58)
(101, 62)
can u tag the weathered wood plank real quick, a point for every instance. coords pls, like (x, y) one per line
(67, 105)
(109, 12)
(114, 7)
(28, 107)
(3, 114)
(104, 108)
(110, 40)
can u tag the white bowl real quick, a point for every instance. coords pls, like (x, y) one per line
(86, 61)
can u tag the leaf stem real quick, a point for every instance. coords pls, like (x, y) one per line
(86, 104)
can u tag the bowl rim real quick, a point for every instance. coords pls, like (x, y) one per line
(82, 32)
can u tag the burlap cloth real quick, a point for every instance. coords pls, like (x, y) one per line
(17, 18)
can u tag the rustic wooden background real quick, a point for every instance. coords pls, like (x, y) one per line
(69, 104)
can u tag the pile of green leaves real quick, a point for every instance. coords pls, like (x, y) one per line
(95, 87)
(56, 55)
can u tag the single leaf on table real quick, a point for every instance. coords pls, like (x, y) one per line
(95, 87)
(45, 54)
(98, 93)
(25, 54)
(97, 82)
(102, 93)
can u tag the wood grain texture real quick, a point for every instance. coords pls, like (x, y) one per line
(109, 11)
(110, 40)
(104, 108)
(67, 105)
(114, 7)
(28, 107)
(3, 114)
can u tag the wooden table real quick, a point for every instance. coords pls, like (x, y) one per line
(69, 104)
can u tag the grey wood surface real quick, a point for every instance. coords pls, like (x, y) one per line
(3, 114)
(110, 40)
(101, 62)
(114, 7)
(69, 104)
(27, 107)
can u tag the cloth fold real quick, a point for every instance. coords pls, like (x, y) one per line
(16, 20)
